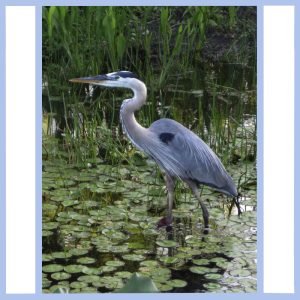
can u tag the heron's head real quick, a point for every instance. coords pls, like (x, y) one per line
(122, 79)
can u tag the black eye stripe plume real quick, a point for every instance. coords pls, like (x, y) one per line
(126, 74)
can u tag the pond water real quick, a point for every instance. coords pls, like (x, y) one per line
(99, 220)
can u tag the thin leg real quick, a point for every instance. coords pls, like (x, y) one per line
(205, 213)
(237, 203)
(170, 184)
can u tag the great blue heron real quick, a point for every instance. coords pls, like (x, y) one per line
(179, 152)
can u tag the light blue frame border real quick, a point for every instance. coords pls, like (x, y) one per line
(297, 149)
(41, 3)
(2, 151)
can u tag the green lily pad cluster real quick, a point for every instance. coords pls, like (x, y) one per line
(99, 228)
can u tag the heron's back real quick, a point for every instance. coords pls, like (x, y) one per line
(182, 153)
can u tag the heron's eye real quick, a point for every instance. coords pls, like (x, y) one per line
(115, 77)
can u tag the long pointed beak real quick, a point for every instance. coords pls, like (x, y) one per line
(91, 80)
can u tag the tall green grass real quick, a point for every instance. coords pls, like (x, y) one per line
(166, 47)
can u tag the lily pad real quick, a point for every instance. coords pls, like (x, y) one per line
(60, 276)
(166, 243)
(114, 234)
(123, 274)
(177, 283)
(69, 202)
(74, 269)
(86, 260)
(200, 270)
(201, 262)
(78, 252)
(46, 282)
(240, 273)
(91, 271)
(62, 255)
(107, 269)
(136, 246)
(213, 276)
(88, 278)
(169, 260)
(59, 289)
(165, 287)
(212, 286)
(52, 268)
(50, 225)
(133, 257)
(149, 263)
(115, 263)
(81, 235)
(78, 284)
(49, 207)
(46, 257)
(109, 282)
(88, 289)
(193, 241)
(46, 233)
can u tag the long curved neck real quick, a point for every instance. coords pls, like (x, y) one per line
(131, 127)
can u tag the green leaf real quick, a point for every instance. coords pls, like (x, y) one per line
(60, 276)
(169, 260)
(86, 260)
(52, 268)
(201, 261)
(121, 42)
(133, 257)
(177, 283)
(240, 273)
(51, 13)
(61, 290)
(115, 263)
(200, 270)
(166, 243)
(213, 276)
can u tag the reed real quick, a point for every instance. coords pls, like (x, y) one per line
(169, 47)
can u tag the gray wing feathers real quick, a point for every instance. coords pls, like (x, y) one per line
(186, 156)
